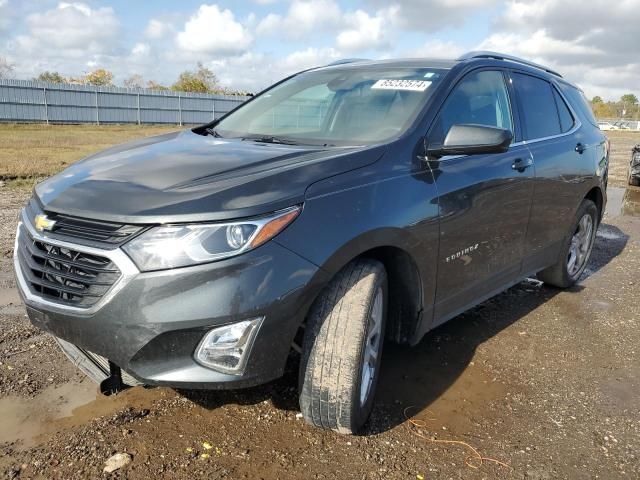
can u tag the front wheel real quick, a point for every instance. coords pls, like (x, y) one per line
(576, 249)
(342, 348)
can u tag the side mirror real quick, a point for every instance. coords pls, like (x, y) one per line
(472, 139)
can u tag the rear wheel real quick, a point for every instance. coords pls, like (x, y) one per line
(342, 348)
(576, 249)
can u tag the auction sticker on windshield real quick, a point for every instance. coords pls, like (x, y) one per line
(412, 85)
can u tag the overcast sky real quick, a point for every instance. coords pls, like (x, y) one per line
(250, 44)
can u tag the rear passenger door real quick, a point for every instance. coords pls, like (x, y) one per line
(550, 131)
(484, 199)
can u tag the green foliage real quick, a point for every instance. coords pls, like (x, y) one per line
(626, 108)
(629, 98)
(51, 77)
(603, 110)
(99, 78)
(201, 80)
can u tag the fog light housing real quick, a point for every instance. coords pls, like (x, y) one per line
(226, 348)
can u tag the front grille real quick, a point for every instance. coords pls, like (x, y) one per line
(84, 229)
(114, 233)
(64, 275)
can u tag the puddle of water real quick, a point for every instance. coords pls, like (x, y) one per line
(623, 202)
(450, 394)
(24, 419)
(607, 235)
(27, 420)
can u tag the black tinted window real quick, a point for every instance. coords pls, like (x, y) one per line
(566, 120)
(538, 105)
(481, 98)
(579, 103)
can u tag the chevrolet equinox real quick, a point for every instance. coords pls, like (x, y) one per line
(346, 205)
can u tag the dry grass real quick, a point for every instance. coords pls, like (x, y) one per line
(31, 152)
(622, 141)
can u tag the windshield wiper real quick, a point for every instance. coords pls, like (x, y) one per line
(271, 139)
(212, 132)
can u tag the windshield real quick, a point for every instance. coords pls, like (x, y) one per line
(335, 106)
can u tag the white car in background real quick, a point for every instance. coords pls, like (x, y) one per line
(607, 126)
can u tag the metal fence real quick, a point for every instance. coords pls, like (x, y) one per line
(32, 101)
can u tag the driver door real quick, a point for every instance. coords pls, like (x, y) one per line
(484, 199)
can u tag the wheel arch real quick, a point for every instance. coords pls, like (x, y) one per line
(406, 285)
(596, 196)
(404, 290)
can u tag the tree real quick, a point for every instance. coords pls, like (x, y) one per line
(201, 80)
(629, 99)
(604, 110)
(99, 78)
(51, 77)
(152, 85)
(597, 99)
(134, 81)
(6, 68)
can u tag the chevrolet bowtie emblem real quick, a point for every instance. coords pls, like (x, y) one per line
(43, 223)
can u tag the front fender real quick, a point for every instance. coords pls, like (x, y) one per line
(351, 214)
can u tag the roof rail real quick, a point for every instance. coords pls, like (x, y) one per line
(510, 58)
(346, 60)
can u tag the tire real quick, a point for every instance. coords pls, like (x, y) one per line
(634, 181)
(332, 369)
(564, 274)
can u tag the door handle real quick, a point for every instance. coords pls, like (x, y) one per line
(580, 148)
(521, 164)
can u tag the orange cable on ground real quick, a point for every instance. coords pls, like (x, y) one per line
(422, 424)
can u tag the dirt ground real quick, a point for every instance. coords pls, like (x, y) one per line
(540, 383)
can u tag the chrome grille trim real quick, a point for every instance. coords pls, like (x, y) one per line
(124, 264)
(89, 232)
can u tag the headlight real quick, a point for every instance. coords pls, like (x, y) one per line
(174, 246)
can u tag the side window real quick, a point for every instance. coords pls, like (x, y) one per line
(579, 103)
(538, 107)
(566, 119)
(481, 98)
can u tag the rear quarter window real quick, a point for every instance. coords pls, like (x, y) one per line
(566, 119)
(579, 103)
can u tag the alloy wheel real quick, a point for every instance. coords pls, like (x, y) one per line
(372, 347)
(580, 243)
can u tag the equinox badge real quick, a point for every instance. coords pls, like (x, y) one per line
(42, 223)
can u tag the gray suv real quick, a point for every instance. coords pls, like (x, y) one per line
(344, 206)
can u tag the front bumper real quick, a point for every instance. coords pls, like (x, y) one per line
(150, 323)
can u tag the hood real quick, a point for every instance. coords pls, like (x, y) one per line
(184, 176)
